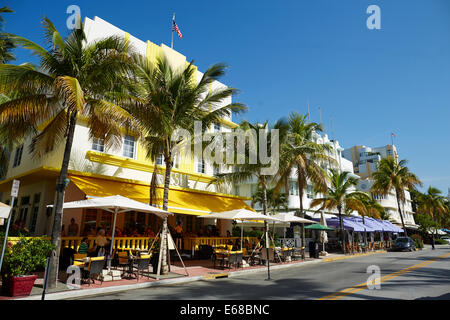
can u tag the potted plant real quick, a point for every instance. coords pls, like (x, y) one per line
(20, 261)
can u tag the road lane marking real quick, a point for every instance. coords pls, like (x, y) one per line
(362, 286)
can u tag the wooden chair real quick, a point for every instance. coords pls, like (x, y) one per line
(123, 260)
(79, 256)
(348, 248)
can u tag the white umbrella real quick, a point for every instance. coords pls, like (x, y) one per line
(4, 211)
(239, 214)
(290, 217)
(115, 204)
(244, 214)
(323, 234)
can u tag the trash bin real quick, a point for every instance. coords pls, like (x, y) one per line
(312, 249)
(154, 261)
(316, 250)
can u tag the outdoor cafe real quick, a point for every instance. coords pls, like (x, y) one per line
(362, 235)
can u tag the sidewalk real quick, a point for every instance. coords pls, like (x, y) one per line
(197, 270)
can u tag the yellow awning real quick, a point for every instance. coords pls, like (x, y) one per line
(183, 201)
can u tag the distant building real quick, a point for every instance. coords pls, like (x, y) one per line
(365, 162)
(365, 159)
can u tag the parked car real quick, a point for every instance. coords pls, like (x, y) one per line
(404, 244)
(446, 238)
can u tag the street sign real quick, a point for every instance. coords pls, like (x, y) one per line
(15, 188)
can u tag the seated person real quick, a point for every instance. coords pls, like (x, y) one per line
(84, 246)
(149, 232)
(118, 232)
(236, 245)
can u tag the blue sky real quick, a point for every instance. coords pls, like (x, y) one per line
(282, 54)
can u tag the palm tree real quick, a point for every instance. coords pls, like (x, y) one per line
(432, 204)
(340, 197)
(248, 171)
(301, 154)
(164, 100)
(392, 175)
(6, 44)
(75, 79)
(275, 201)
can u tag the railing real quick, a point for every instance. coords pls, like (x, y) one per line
(120, 243)
(144, 243)
(194, 243)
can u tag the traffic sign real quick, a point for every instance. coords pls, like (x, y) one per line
(15, 188)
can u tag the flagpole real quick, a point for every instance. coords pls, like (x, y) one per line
(173, 19)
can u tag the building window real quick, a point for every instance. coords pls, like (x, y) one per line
(176, 161)
(129, 146)
(18, 156)
(309, 192)
(23, 212)
(217, 127)
(98, 144)
(160, 160)
(293, 189)
(201, 166)
(35, 211)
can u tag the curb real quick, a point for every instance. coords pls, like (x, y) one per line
(354, 256)
(114, 289)
(243, 272)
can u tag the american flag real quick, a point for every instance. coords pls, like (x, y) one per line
(175, 28)
(393, 135)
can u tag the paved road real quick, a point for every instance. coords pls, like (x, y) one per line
(404, 275)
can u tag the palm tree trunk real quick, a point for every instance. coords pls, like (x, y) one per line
(59, 202)
(400, 212)
(341, 228)
(264, 200)
(435, 231)
(164, 247)
(302, 213)
(153, 183)
(365, 235)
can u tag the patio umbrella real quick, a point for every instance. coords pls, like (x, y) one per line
(318, 226)
(323, 234)
(239, 214)
(4, 211)
(244, 214)
(115, 204)
(289, 217)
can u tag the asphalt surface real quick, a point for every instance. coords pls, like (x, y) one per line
(403, 275)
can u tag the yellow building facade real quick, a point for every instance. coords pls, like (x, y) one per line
(95, 170)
